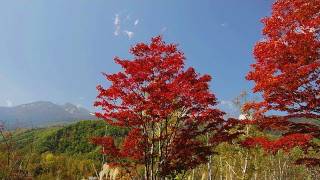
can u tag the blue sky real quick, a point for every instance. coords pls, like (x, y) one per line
(54, 50)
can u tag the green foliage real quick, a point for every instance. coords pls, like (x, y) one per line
(71, 139)
(61, 166)
(63, 152)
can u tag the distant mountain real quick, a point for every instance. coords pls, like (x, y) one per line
(42, 113)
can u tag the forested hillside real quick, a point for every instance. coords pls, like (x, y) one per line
(42, 151)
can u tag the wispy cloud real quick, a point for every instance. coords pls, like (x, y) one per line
(228, 104)
(229, 107)
(129, 33)
(224, 24)
(136, 22)
(127, 23)
(116, 25)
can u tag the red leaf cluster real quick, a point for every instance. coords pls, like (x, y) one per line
(285, 143)
(132, 145)
(108, 145)
(287, 68)
(286, 125)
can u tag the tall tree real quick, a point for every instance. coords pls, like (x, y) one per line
(287, 70)
(168, 110)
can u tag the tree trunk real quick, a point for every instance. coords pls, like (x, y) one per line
(209, 162)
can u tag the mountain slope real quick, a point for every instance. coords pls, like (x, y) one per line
(41, 113)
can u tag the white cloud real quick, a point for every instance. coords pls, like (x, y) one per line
(136, 22)
(242, 117)
(116, 32)
(228, 106)
(227, 103)
(9, 103)
(129, 33)
(116, 25)
(117, 20)
(224, 24)
(163, 29)
(245, 117)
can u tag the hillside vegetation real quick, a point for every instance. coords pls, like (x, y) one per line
(57, 151)
(65, 152)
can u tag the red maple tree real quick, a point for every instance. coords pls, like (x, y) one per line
(287, 71)
(287, 68)
(168, 110)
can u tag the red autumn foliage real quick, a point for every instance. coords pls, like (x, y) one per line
(108, 145)
(132, 145)
(166, 108)
(285, 143)
(287, 74)
(287, 68)
(309, 162)
(284, 125)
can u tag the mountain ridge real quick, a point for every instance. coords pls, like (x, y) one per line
(42, 113)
